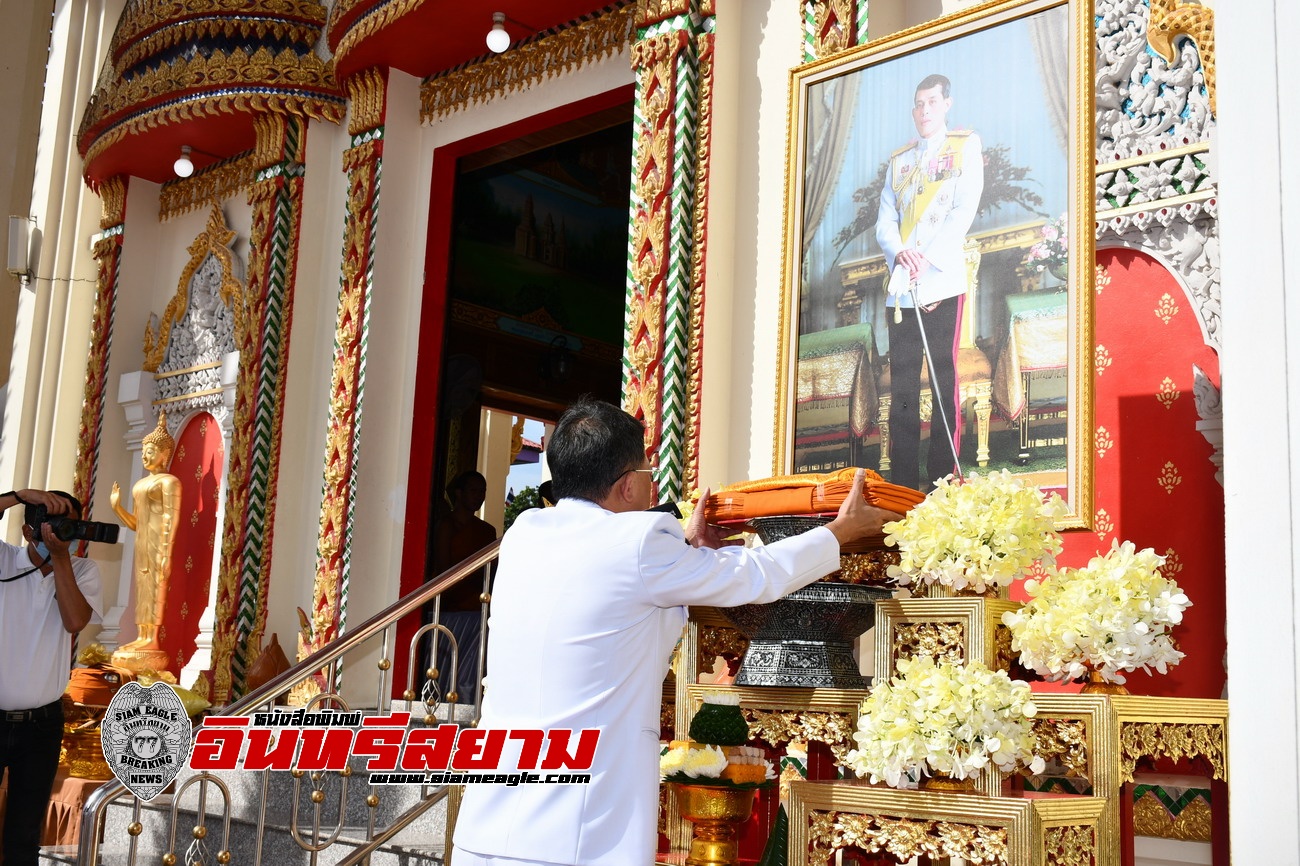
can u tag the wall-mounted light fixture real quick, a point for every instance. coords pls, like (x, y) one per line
(18, 260)
(183, 166)
(498, 40)
(557, 362)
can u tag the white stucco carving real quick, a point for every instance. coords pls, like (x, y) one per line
(1209, 406)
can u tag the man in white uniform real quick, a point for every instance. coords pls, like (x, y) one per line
(931, 194)
(46, 596)
(590, 599)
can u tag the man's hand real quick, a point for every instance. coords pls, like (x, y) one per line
(915, 261)
(702, 534)
(57, 546)
(53, 504)
(856, 519)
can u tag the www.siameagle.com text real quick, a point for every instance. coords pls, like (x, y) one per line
(510, 779)
(445, 754)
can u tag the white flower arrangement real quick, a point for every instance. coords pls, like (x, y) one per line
(949, 718)
(1112, 616)
(700, 762)
(979, 533)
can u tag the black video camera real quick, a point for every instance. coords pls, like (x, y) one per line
(67, 528)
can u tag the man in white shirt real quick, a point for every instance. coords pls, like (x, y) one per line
(46, 596)
(931, 194)
(589, 601)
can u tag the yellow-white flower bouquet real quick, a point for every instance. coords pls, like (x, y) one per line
(976, 534)
(948, 718)
(1112, 616)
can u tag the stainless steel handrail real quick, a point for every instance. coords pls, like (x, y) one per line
(100, 798)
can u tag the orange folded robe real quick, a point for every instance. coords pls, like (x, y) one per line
(812, 493)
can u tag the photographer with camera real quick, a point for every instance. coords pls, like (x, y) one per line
(46, 595)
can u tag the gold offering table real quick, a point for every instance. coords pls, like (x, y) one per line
(1100, 740)
(1025, 830)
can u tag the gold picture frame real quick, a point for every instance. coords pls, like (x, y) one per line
(968, 141)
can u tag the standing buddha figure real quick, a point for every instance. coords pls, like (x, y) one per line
(156, 500)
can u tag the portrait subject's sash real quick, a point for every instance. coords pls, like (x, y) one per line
(919, 186)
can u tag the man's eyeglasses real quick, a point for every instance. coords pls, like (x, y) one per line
(626, 471)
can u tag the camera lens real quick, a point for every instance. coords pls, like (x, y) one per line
(64, 530)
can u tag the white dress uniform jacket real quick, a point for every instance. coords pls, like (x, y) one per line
(931, 194)
(586, 610)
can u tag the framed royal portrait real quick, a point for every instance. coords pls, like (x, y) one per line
(938, 261)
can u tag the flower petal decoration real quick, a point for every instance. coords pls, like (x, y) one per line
(1113, 616)
(977, 533)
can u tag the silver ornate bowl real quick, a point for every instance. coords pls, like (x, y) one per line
(805, 639)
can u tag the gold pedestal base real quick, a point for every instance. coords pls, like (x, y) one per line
(717, 813)
(141, 660)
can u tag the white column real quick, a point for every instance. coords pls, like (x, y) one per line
(1260, 237)
(495, 430)
(135, 392)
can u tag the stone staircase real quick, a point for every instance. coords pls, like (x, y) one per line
(421, 843)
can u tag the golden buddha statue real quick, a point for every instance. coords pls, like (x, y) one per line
(157, 503)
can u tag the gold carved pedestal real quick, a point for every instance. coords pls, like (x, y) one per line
(717, 813)
(1011, 831)
(1102, 739)
(141, 660)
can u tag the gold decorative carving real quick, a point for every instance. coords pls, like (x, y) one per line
(225, 83)
(242, 28)
(214, 240)
(1101, 278)
(1101, 359)
(112, 202)
(716, 641)
(1175, 741)
(1167, 308)
(144, 18)
(834, 26)
(1152, 818)
(1167, 393)
(1069, 845)
(870, 567)
(368, 95)
(1063, 740)
(369, 24)
(939, 640)
(1102, 524)
(778, 727)
(107, 253)
(654, 62)
(1173, 18)
(903, 838)
(214, 183)
(1004, 656)
(650, 12)
(699, 247)
(362, 166)
(250, 312)
(1169, 477)
(1102, 442)
(526, 64)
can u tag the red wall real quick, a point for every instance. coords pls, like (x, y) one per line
(1148, 329)
(197, 463)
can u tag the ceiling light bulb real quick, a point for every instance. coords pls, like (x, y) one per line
(183, 166)
(498, 39)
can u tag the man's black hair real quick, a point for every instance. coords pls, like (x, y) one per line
(594, 444)
(459, 481)
(936, 80)
(72, 500)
